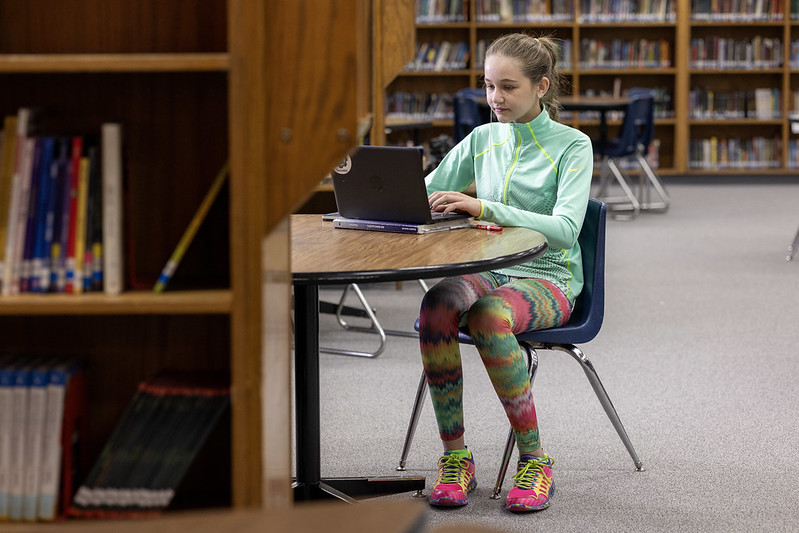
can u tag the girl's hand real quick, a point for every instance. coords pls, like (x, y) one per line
(448, 201)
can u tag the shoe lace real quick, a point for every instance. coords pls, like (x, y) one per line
(451, 469)
(531, 477)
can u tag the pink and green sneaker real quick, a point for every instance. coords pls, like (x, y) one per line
(455, 480)
(533, 486)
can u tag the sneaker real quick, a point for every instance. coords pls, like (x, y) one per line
(532, 487)
(455, 480)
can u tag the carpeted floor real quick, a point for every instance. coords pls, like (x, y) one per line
(698, 352)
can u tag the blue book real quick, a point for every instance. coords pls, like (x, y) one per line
(34, 437)
(7, 374)
(19, 440)
(60, 379)
(26, 270)
(45, 217)
(58, 249)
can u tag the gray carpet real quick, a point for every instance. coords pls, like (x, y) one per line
(697, 351)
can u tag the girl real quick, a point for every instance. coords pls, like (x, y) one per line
(531, 171)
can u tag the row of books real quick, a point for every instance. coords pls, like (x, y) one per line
(564, 53)
(715, 52)
(627, 11)
(437, 11)
(524, 10)
(623, 53)
(793, 153)
(60, 209)
(419, 105)
(761, 103)
(716, 153)
(444, 55)
(736, 10)
(153, 445)
(42, 422)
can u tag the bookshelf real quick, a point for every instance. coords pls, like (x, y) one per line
(592, 41)
(189, 82)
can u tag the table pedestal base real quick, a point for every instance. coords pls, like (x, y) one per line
(348, 488)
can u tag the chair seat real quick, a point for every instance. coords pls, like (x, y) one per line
(579, 330)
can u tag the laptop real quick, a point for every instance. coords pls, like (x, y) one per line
(385, 183)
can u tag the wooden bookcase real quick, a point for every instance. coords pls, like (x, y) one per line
(675, 128)
(193, 84)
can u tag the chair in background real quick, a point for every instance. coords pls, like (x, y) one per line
(367, 312)
(583, 326)
(470, 110)
(635, 135)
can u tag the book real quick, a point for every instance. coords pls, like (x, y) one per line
(7, 374)
(24, 229)
(39, 276)
(77, 209)
(400, 227)
(8, 162)
(19, 447)
(34, 437)
(151, 448)
(65, 404)
(27, 122)
(191, 230)
(63, 203)
(93, 250)
(112, 168)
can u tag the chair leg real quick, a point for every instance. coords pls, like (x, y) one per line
(414, 421)
(532, 366)
(603, 397)
(609, 172)
(654, 182)
(375, 327)
(793, 247)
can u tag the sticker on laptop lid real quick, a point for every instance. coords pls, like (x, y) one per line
(344, 167)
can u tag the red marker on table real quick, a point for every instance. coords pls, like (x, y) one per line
(487, 227)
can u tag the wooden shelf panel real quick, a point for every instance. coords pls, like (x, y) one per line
(128, 303)
(73, 63)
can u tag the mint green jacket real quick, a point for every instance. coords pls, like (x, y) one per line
(536, 175)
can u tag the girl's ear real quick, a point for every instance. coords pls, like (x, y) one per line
(543, 85)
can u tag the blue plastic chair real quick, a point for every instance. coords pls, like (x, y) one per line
(635, 135)
(583, 325)
(470, 110)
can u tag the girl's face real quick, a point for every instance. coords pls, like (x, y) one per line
(511, 94)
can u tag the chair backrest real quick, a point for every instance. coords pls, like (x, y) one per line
(470, 111)
(638, 126)
(590, 304)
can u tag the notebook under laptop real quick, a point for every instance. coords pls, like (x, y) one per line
(384, 183)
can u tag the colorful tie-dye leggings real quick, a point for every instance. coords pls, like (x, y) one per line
(498, 307)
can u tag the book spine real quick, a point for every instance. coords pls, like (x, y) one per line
(45, 215)
(51, 442)
(19, 446)
(6, 430)
(112, 208)
(35, 427)
(394, 227)
(71, 261)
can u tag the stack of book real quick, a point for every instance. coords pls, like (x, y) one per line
(60, 209)
(150, 450)
(42, 421)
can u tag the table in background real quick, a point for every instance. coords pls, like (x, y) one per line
(324, 255)
(601, 104)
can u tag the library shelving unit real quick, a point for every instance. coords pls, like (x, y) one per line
(193, 84)
(659, 50)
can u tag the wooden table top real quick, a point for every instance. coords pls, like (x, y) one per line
(323, 254)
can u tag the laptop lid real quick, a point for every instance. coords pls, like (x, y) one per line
(382, 183)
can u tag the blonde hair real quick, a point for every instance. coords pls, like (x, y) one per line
(538, 57)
